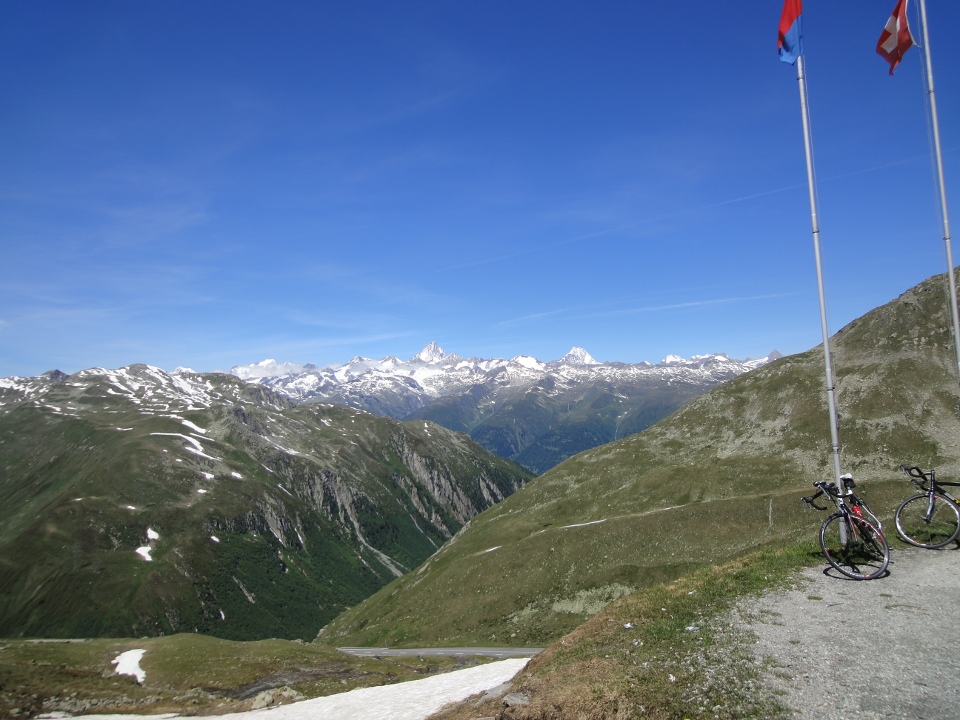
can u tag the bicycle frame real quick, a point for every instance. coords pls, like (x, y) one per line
(920, 478)
(847, 502)
(852, 537)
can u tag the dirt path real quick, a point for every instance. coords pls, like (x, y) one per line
(886, 648)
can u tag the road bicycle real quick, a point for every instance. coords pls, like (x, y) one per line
(850, 542)
(930, 519)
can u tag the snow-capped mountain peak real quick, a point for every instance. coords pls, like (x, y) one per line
(529, 362)
(577, 356)
(266, 369)
(432, 353)
(397, 388)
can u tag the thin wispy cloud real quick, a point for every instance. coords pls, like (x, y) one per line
(585, 312)
(652, 222)
(686, 305)
(533, 317)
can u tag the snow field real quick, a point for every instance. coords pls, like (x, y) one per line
(413, 700)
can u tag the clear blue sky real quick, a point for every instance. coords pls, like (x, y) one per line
(213, 183)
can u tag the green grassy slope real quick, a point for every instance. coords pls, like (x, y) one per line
(544, 423)
(271, 519)
(716, 479)
(187, 674)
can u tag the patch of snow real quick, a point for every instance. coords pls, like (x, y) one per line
(144, 552)
(529, 362)
(493, 548)
(592, 522)
(189, 424)
(124, 429)
(237, 475)
(432, 353)
(128, 663)
(215, 538)
(266, 369)
(202, 491)
(130, 507)
(208, 476)
(195, 447)
(577, 356)
(411, 700)
(152, 534)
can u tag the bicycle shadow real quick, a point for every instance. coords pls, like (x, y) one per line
(834, 574)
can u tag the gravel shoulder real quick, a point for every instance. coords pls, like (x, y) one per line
(836, 649)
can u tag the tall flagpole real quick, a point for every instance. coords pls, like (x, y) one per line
(814, 221)
(943, 192)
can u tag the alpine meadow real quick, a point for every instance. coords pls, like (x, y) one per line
(471, 361)
(717, 479)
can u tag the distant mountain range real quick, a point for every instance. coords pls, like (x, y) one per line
(135, 502)
(536, 413)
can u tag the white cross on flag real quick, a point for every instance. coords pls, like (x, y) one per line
(895, 39)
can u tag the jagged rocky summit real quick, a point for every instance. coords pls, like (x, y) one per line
(534, 412)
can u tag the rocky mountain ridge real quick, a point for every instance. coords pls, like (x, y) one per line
(403, 386)
(136, 502)
(537, 413)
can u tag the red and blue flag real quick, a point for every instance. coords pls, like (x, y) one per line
(790, 40)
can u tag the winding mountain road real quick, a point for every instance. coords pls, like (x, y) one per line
(848, 650)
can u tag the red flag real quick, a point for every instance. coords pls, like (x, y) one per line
(895, 39)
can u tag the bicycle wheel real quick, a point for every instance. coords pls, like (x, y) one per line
(854, 547)
(926, 525)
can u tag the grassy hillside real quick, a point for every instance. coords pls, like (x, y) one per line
(187, 674)
(720, 477)
(136, 503)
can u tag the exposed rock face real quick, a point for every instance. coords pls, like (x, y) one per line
(520, 408)
(267, 519)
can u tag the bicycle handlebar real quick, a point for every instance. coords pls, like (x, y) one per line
(830, 488)
(915, 472)
(810, 501)
(918, 477)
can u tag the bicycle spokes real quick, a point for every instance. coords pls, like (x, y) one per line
(854, 547)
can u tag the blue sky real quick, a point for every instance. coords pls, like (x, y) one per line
(208, 184)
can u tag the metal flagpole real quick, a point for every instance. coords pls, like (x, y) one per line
(943, 192)
(808, 147)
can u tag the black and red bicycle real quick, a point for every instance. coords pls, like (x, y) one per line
(852, 537)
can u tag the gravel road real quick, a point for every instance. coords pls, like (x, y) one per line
(441, 652)
(885, 648)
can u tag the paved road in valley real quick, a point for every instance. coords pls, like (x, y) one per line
(441, 652)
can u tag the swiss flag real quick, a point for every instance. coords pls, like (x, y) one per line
(895, 39)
